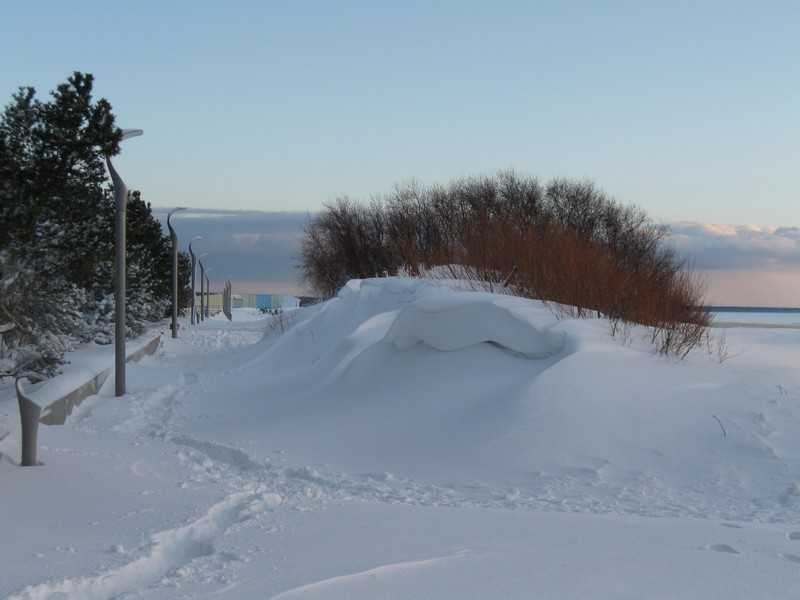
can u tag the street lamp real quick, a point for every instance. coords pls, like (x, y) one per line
(121, 200)
(208, 293)
(226, 299)
(174, 238)
(194, 267)
(202, 282)
(229, 288)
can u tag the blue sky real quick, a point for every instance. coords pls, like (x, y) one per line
(689, 110)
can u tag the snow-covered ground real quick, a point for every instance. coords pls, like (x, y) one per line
(405, 440)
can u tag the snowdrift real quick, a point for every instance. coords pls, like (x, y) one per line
(405, 312)
(426, 382)
(460, 320)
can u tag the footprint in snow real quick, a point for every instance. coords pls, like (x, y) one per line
(722, 548)
(187, 378)
(793, 535)
(732, 525)
(790, 557)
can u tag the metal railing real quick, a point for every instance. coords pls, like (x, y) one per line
(55, 412)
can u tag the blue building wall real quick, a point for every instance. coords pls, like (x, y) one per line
(264, 301)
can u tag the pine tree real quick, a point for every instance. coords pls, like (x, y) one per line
(57, 229)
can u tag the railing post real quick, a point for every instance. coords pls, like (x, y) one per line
(29, 413)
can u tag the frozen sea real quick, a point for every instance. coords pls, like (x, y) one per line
(756, 316)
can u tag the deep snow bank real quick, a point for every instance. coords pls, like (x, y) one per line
(458, 320)
(405, 312)
(423, 381)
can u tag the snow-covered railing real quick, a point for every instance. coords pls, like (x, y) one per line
(52, 403)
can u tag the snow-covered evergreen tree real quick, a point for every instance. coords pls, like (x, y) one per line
(57, 231)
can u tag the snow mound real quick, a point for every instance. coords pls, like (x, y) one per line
(402, 314)
(462, 319)
(438, 384)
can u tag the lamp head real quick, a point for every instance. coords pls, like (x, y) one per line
(129, 133)
(169, 216)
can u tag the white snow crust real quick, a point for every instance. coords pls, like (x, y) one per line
(409, 439)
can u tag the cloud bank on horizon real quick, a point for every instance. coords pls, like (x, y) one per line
(743, 264)
(737, 246)
(256, 250)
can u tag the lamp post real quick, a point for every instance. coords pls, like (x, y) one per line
(208, 294)
(174, 238)
(230, 300)
(121, 200)
(194, 267)
(225, 299)
(202, 282)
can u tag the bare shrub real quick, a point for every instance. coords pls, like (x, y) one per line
(280, 323)
(565, 243)
(717, 347)
(346, 240)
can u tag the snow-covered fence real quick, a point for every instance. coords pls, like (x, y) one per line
(43, 408)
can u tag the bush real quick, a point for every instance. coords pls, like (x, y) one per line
(41, 318)
(565, 242)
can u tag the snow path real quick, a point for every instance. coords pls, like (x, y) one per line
(347, 454)
(168, 551)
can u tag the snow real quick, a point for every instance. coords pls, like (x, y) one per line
(83, 365)
(456, 321)
(241, 314)
(408, 439)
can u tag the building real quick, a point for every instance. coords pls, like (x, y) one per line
(215, 303)
(265, 301)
